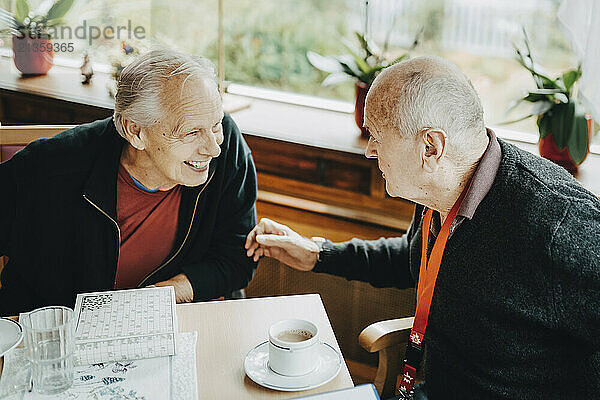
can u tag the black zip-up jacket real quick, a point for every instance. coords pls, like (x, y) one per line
(58, 220)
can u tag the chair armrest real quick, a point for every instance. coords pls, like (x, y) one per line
(382, 334)
(386, 338)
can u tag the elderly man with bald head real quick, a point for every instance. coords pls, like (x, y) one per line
(503, 248)
(163, 193)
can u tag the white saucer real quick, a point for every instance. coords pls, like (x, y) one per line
(11, 333)
(257, 368)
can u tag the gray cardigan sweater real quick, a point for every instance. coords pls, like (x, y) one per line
(516, 308)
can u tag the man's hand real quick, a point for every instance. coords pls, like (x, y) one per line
(275, 240)
(183, 288)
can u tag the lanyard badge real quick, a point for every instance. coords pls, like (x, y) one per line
(427, 277)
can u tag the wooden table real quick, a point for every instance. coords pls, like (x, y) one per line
(228, 330)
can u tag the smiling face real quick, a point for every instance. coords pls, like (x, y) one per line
(178, 149)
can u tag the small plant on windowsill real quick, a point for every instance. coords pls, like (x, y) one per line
(361, 65)
(33, 49)
(565, 129)
(121, 57)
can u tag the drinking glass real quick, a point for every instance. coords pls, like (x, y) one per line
(49, 339)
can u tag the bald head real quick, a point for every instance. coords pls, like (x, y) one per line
(427, 92)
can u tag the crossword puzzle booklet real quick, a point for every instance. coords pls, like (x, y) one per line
(124, 325)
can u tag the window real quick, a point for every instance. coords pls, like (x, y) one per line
(478, 36)
(266, 41)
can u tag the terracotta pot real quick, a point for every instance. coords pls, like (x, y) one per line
(550, 151)
(31, 55)
(359, 107)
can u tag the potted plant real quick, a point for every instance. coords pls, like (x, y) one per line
(564, 127)
(33, 50)
(362, 65)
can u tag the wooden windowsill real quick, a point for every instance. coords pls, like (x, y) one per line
(317, 128)
(298, 124)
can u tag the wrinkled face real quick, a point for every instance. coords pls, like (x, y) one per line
(397, 155)
(182, 145)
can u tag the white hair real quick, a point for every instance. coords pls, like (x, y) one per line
(141, 83)
(430, 92)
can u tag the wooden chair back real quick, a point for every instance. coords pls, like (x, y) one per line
(13, 138)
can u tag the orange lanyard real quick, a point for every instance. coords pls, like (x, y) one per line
(427, 277)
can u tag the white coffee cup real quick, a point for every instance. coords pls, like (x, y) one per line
(293, 347)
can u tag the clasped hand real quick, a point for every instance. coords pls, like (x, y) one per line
(272, 239)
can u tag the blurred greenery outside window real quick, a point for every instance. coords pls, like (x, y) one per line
(266, 40)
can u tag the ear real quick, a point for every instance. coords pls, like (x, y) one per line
(134, 134)
(432, 148)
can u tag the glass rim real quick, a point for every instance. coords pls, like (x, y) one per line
(27, 324)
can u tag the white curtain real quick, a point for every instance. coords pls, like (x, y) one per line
(581, 20)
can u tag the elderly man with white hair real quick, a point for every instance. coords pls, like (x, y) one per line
(161, 194)
(503, 248)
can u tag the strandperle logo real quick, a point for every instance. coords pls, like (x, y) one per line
(91, 32)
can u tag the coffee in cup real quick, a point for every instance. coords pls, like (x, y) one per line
(295, 335)
(293, 347)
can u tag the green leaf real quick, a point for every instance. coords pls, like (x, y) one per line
(516, 120)
(542, 107)
(363, 43)
(59, 9)
(546, 91)
(354, 52)
(326, 64)
(562, 123)
(335, 79)
(570, 77)
(561, 97)
(369, 46)
(578, 141)
(369, 77)
(513, 104)
(541, 79)
(375, 50)
(9, 31)
(544, 125)
(521, 60)
(539, 75)
(22, 11)
(55, 22)
(360, 62)
(349, 66)
(533, 97)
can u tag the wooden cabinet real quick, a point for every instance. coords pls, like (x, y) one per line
(23, 108)
(325, 181)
